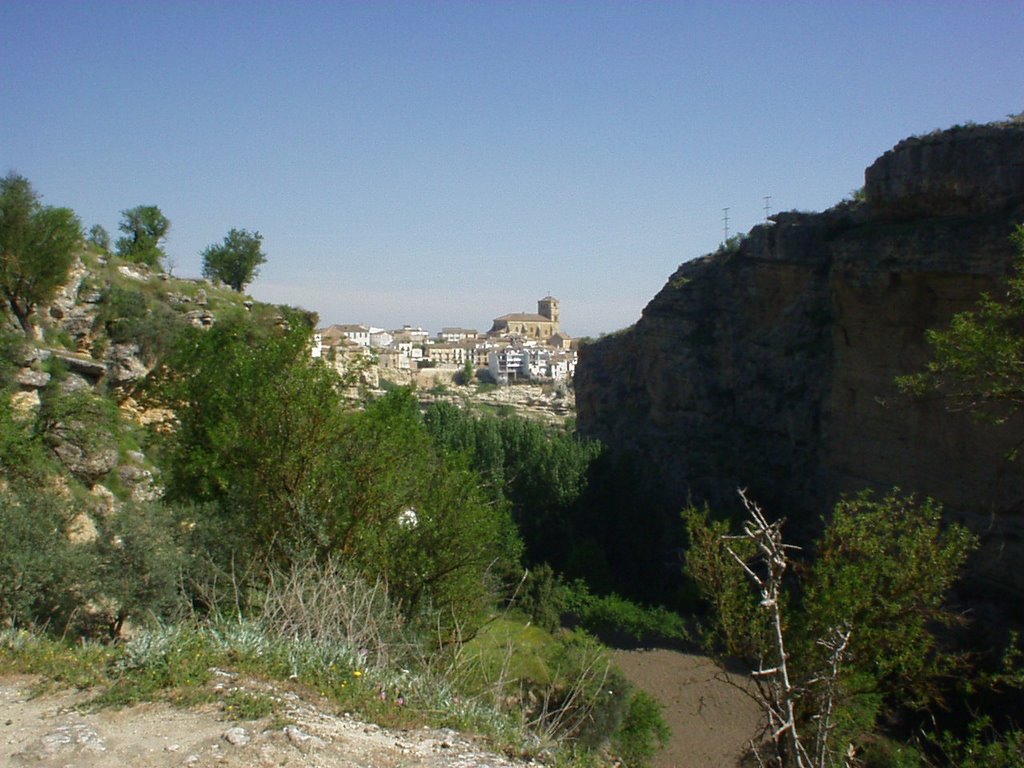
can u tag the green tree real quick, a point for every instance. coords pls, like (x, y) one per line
(236, 261)
(296, 477)
(145, 228)
(100, 238)
(44, 578)
(37, 247)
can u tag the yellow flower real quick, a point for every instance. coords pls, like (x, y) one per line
(357, 673)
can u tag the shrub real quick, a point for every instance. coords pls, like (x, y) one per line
(44, 579)
(140, 564)
(265, 441)
(587, 697)
(130, 317)
(855, 639)
(542, 596)
(642, 732)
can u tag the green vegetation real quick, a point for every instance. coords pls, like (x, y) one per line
(266, 444)
(372, 554)
(99, 238)
(731, 244)
(236, 261)
(422, 566)
(145, 228)
(854, 641)
(37, 245)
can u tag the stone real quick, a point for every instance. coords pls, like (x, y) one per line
(71, 738)
(124, 364)
(237, 736)
(88, 464)
(24, 405)
(135, 272)
(82, 529)
(31, 379)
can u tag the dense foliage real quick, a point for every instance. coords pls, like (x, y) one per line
(292, 475)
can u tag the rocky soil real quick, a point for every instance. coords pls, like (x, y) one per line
(53, 731)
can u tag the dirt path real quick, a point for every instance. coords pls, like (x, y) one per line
(712, 720)
(48, 732)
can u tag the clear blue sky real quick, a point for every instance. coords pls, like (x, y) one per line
(443, 163)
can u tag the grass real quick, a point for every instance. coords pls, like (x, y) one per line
(511, 649)
(185, 665)
(528, 691)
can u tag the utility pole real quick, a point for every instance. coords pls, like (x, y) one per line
(725, 224)
(767, 206)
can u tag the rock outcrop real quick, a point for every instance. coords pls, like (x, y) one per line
(772, 366)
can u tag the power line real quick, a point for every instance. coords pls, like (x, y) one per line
(725, 223)
(767, 206)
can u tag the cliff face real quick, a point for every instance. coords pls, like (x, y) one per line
(772, 366)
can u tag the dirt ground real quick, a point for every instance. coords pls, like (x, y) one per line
(49, 732)
(711, 720)
(711, 717)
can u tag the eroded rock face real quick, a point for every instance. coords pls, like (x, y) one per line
(773, 367)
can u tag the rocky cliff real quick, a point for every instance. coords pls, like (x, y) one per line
(771, 366)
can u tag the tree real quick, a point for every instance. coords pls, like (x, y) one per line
(236, 261)
(37, 245)
(145, 229)
(100, 238)
(264, 440)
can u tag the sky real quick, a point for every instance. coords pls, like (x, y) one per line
(444, 163)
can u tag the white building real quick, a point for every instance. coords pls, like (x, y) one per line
(508, 364)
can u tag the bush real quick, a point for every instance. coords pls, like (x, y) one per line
(587, 697)
(617, 616)
(129, 317)
(45, 580)
(542, 596)
(642, 732)
(855, 638)
(140, 565)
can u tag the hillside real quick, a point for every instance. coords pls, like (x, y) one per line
(771, 365)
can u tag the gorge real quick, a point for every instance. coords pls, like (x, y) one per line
(772, 365)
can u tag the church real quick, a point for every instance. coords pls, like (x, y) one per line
(541, 326)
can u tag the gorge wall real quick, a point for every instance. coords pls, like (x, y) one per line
(771, 366)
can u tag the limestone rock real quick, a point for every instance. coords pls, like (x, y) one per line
(82, 529)
(124, 364)
(959, 172)
(24, 405)
(87, 465)
(32, 379)
(772, 366)
(135, 272)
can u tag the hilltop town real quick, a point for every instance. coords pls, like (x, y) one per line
(520, 347)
